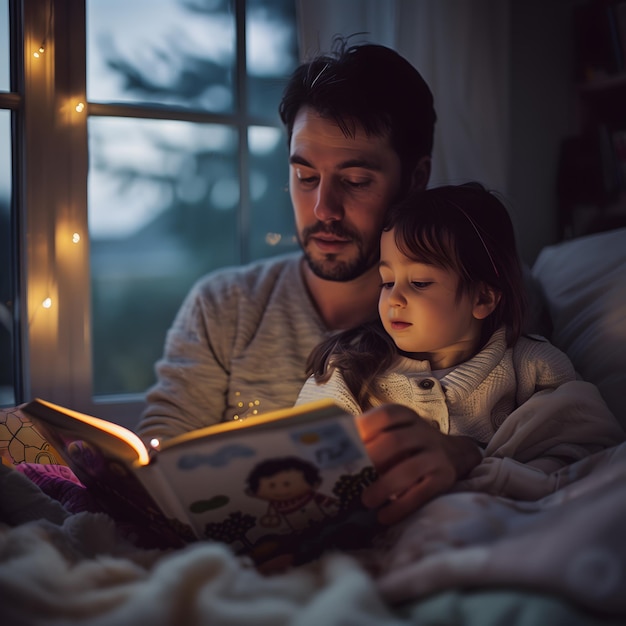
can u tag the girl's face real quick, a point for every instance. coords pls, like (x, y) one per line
(420, 309)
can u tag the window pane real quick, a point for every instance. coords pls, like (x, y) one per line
(271, 224)
(163, 200)
(271, 54)
(174, 52)
(7, 391)
(4, 46)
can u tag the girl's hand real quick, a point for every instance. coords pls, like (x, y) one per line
(415, 461)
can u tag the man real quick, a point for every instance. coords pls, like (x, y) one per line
(360, 125)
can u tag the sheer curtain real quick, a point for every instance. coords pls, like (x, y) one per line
(462, 49)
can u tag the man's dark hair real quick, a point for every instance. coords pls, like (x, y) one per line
(370, 85)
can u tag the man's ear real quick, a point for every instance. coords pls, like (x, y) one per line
(486, 300)
(421, 174)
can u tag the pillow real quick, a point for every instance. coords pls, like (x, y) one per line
(61, 484)
(583, 282)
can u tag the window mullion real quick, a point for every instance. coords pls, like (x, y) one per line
(242, 128)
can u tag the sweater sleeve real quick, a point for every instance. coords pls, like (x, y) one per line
(237, 348)
(539, 365)
(192, 375)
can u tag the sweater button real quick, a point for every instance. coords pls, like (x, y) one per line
(426, 383)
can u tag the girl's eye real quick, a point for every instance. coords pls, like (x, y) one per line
(386, 285)
(420, 284)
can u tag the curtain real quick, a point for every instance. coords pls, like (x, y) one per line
(461, 48)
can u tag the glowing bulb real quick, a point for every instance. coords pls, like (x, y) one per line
(39, 52)
(75, 238)
(155, 443)
(47, 303)
(80, 107)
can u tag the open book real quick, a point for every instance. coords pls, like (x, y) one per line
(267, 485)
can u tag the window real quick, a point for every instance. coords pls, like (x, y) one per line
(7, 389)
(152, 131)
(8, 352)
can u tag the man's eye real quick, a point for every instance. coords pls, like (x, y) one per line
(306, 179)
(358, 184)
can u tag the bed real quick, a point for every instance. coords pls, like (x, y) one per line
(468, 557)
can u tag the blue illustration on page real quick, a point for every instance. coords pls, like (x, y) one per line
(326, 445)
(221, 458)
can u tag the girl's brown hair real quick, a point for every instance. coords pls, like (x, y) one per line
(463, 228)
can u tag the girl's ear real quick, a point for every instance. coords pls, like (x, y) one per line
(486, 300)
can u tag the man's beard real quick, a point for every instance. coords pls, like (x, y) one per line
(328, 267)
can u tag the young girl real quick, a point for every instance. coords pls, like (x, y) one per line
(449, 342)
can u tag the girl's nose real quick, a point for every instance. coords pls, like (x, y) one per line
(396, 297)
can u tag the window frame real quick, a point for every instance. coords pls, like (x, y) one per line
(11, 101)
(50, 199)
(51, 205)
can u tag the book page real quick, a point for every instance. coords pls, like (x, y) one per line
(63, 425)
(258, 488)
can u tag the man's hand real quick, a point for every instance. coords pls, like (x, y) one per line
(415, 461)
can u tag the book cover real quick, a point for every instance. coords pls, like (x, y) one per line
(276, 483)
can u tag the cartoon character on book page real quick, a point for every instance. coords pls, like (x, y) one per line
(263, 492)
(290, 485)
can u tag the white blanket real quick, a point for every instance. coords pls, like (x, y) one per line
(80, 573)
(57, 568)
(572, 542)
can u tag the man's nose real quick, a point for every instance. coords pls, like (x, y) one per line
(328, 204)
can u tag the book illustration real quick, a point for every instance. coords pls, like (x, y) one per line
(281, 495)
(283, 483)
(221, 458)
(290, 485)
(299, 517)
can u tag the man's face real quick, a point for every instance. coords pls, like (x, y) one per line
(341, 188)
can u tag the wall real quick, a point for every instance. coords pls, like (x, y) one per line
(502, 75)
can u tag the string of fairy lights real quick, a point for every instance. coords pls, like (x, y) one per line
(79, 107)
